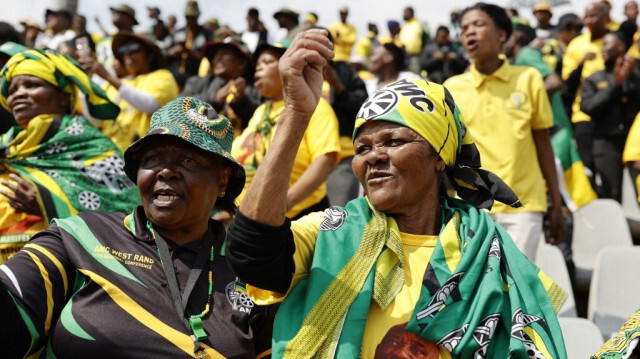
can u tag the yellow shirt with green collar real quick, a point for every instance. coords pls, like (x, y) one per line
(501, 110)
(576, 50)
(387, 39)
(131, 124)
(411, 37)
(320, 138)
(417, 252)
(344, 36)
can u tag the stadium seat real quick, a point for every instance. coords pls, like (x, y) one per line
(597, 225)
(630, 203)
(614, 292)
(582, 338)
(551, 261)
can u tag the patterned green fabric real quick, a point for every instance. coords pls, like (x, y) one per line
(625, 344)
(72, 164)
(199, 124)
(480, 297)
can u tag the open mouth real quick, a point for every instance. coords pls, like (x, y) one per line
(165, 196)
(471, 45)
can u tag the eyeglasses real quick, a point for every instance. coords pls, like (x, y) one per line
(131, 48)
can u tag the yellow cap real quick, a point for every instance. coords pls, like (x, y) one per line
(542, 6)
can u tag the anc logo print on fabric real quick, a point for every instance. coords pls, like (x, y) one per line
(381, 103)
(333, 219)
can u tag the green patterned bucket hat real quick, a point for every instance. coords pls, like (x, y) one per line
(199, 124)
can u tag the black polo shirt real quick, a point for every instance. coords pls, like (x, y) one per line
(92, 285)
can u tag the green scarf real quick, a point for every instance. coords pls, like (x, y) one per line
(626, 342)
(72, 165)
(479, 296)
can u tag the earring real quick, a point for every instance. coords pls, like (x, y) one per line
(222, 194)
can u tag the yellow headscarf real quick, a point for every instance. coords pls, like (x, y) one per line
(62, 72)
(430, 110)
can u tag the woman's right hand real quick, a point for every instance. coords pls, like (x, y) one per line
(301, 70)
(91, 66)
(24, 197)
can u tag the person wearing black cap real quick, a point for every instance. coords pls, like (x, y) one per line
(58, 23)
(227, 86)
(612, 98)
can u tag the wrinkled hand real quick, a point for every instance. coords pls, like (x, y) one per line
(23, 198)
(235, 87)
(556, 225)
(301, 70)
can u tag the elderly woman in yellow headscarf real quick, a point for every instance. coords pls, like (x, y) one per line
(54, 165)
(406, 269)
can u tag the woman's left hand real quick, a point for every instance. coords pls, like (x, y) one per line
(24, 196)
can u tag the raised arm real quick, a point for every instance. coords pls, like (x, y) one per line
(301, 73)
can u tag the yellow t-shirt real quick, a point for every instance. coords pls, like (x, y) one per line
(411, 37)
(387, 39)
(501, 110)
(321, 137)
(417, 252)
(132, 123)
(363, 47)
(577, 48)
(631, 151)
(344, 36)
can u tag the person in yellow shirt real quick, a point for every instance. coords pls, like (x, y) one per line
(411, 38)
(582, 59)
(318, 153)
(344, 36)
(394, 31)
(612, 25)
(405, 268)
(147, 87)
(508, 112)
(367, 43)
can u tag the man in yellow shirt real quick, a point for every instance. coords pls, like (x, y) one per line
(344, 36)
(582, 59)
(507, 110)
(394, 30)
(411, 38)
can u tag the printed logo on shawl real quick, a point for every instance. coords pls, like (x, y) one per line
(107, 172)
(333, 219)
(237, 296)
(494, 251)
(483, 334)
(440, 296)
(451, 340)
(75, 128)
(380, 103)
(519, 320)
